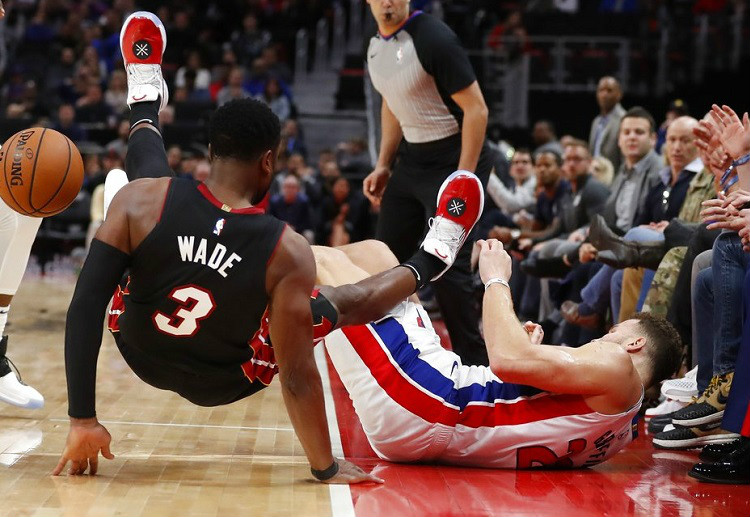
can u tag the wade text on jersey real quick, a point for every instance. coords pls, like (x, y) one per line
(200, 254)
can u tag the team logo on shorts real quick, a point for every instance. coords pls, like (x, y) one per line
(219, 226)
(142, 49)
(456, 206)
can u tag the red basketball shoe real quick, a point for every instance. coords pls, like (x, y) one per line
(142, 43)
(460, 203)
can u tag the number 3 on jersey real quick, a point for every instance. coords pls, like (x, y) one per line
(194, 305)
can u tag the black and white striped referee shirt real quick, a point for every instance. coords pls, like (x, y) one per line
(416, 70)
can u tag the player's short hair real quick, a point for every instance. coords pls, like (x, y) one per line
(244, 129)
(665, 346)
(640, 112)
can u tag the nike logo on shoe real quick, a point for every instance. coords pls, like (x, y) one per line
(136, 99)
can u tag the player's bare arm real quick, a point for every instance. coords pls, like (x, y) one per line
(474, 125)
(601, 371)
(375, 182)
(133, 213)
(289, 280)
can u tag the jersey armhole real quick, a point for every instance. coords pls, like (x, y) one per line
(164, 202)
(276, 246)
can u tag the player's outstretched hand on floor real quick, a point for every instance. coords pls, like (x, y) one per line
(350, 474)
(86, 438)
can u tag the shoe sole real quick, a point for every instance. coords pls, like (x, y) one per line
(481, 195)
(28, 405)
(705, 479)
(697, 422)
(692, 443)
(156, 21)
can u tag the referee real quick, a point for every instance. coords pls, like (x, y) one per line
(433, 122)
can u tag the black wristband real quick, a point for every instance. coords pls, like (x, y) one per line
(746, 206)
(325, 475)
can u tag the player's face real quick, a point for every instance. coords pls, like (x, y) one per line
(624, 332)
(389, 13)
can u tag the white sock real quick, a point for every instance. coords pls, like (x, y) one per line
(3, 319)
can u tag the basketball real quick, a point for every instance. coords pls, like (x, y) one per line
(42, 172)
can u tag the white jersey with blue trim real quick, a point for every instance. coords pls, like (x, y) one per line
(417, 402)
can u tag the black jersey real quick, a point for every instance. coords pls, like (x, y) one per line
(196, 299)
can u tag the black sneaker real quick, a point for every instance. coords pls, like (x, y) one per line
(692, 437)
(659, 422)
(709, 407)
(716, 451)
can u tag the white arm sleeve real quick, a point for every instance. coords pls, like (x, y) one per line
(511, 202)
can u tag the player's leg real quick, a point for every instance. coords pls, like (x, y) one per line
(371, 298)
(142, 43)
(17, 233)
(371, 255)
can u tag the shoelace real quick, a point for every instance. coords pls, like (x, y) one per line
(14, 369)
(713, 385)
(447, 232)
(145, 74)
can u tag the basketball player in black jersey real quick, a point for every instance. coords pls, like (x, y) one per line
(218, 297)
(208, 271)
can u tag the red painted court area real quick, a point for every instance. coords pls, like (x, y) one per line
(639, 481)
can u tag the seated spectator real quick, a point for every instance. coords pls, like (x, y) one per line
(93, 170)
(174, 158)
(202, 170)
(91, 108)
(96, 67)
(67, 125)
(522, 195)
(346, 216)
(201, 76)
(293, 207)
(59, 74)
(234, 88)
(116, 96)
(602, 170)
(120, 144)
(276, 100)
(189, 92)
(250, 41)
(677, 108)
(292, 138)
(28, 105)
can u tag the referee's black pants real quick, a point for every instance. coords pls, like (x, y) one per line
(410, 199)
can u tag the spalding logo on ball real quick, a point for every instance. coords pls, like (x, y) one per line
(42, 172)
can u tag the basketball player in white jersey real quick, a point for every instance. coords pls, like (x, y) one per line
(535, 405)
(17, 233)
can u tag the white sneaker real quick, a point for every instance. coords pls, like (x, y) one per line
(142, 43)
(15, 392)
(115, 180)
(666, 406)
(684, 389)
(460, 202)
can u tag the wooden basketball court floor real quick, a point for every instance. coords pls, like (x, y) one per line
(176, 459)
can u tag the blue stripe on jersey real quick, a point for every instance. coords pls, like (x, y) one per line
(393, 335)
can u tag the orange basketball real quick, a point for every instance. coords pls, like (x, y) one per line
(42, 172)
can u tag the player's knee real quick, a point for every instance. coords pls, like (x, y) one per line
(383, 253)
(328, 259)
